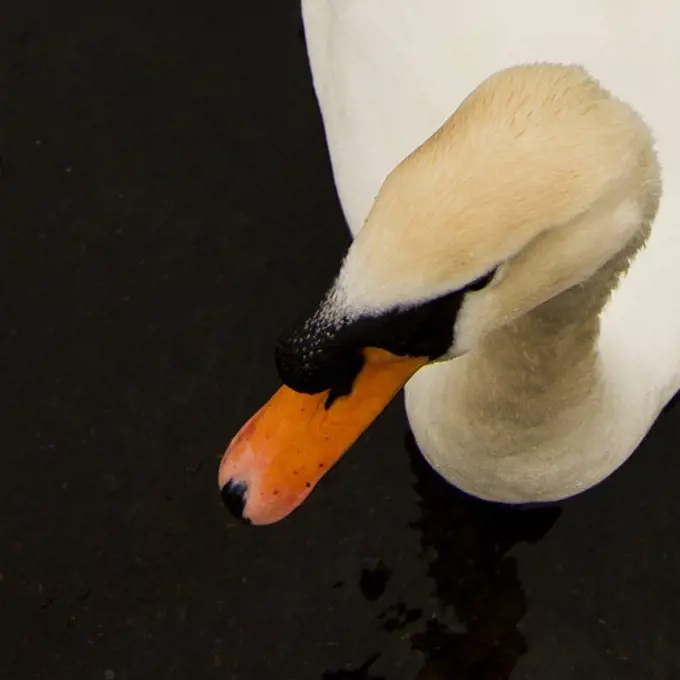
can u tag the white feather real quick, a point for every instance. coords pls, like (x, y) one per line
(388, 73)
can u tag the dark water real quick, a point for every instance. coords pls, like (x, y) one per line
(467, 544)
(166, 209)
(361, 673)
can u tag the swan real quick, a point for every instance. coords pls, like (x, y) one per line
(510, 173)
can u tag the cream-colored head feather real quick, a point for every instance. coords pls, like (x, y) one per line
(540, 173)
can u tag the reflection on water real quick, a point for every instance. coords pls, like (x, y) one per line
(361, 673)
(467, 544)
(374, 581)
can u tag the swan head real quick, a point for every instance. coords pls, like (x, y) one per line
(538, 181)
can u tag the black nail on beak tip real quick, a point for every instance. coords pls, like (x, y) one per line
(234, 497)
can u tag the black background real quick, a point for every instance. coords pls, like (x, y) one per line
(166, 208)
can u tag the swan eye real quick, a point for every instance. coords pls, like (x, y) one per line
(481, 282)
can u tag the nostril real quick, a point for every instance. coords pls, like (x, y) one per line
(234, 497)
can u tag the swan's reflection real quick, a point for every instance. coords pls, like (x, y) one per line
(467, 544)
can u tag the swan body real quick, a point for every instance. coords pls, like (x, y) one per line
(549, 386)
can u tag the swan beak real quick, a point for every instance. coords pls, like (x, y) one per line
(282, 452)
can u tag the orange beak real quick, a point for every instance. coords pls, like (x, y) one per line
(283, 451)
